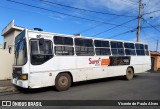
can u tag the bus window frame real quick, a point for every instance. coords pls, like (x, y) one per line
(92, 47)
(36, 39)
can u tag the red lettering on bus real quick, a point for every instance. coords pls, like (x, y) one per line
(94, 61)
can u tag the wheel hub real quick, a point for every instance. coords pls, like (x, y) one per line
(63, 81)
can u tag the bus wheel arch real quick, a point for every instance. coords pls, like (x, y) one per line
(129, 73)
(63, 81)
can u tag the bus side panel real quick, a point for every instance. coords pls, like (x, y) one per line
(44, 75)
(136, 62)
(98, 70)
(41, 79)
(147, 65)
(140, 63)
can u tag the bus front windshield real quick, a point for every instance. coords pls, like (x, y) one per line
(20, 53)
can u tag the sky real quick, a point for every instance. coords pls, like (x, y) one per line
(66, 20)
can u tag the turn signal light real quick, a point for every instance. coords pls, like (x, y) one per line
(24, 76)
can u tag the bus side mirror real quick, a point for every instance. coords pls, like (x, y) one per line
(41, 41)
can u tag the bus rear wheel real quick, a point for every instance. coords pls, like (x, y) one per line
(129, 74)
(63, 82)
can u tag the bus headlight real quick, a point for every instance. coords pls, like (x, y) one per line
(24, 76)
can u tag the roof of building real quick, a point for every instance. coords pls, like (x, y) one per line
(155, 53)
(10, 27)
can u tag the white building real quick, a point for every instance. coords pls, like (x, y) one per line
(9, 33)
(6, 59)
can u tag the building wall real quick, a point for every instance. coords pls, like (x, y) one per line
(6, 64)
(9, 39)
(158, 62)
(7, 59)
(1, 46)
(155, 62)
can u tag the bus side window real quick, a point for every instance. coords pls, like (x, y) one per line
(63, 50)
(102, 47)
(34, 47)
(140, 49)
(146, 50)
(63, 46)
(99, 43)
(117, 48)
(40, 53)
(58, 40)
(129, 48)
(84, 47)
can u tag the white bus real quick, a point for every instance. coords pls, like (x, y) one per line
(49, 59)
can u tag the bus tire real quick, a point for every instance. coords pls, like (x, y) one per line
(129, 74)
(63, 82)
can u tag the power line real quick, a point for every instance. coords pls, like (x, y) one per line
(78, 12)
(97, 25)
(91, 28)
(146, 5)
(50, 16)
(59, 12)
(151, 12)
(88, 29)
(151, 25)
(130, 31)
(46, 15)
(114, 27)
(152, 7)
(53, 3)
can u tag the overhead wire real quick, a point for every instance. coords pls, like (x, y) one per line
(72, 15)
(114, 27)
(13, 9)
(126, 32)
(151, 12)
(99, 24)
(59, 12)
(95, 26)
(146, 5)
(73, 11)
(151, 25)
(151, 8)
(54, 3)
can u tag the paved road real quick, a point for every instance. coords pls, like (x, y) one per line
(144, 86)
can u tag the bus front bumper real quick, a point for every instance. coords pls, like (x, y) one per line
(20, 83)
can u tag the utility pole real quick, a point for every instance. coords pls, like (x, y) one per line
(139, 21)
(157, 46)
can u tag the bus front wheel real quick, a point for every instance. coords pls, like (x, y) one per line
(63, 82)
(129, 74)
